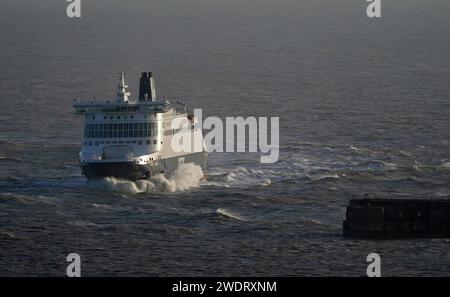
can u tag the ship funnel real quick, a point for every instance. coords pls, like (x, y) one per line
(147, 91)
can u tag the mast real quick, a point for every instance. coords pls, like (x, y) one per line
(123, 93)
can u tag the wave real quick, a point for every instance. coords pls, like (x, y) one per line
(7, 234)
(184, 177)
(239, 176)
(375, 165)
(83, 224)
(103, 206)
(445, 165)
(9, 178)
(9, 159)
(229, 214)
(21, 198)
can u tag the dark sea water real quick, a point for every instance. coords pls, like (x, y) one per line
(364, 107)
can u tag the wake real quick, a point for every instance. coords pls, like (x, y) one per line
(184, 177)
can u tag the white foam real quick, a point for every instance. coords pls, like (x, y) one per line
(229, 214)
(184, 177)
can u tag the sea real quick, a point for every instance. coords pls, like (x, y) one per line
(363, 105)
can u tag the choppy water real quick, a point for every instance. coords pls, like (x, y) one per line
(363, 106)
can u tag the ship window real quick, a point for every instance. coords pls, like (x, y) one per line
(110, 128)
(148, 142)
(121, 142)
(114, 142)
(140, 142)
(93, 117)
(120, 130)
(130, 130)
(91, 130)
(98, 131)
(149, 128)
(134, 141)
(127, 141)
(125, 130)
(111, 117)
(90, 142)
(96, 143)
(105, 117)
(118, 117)
(131, 117)
(115, 130)
(104, 130)
(135, 130)
(154, 141)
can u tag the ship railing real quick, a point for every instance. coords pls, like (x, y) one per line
(115, 107)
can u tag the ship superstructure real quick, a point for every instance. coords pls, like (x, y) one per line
(132, 139)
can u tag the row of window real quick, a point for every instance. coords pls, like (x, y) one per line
(118, 117)
(139, 142)
(120, 130)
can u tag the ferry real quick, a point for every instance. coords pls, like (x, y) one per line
(132, 139)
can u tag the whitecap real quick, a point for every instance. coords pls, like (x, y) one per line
(229, 214)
